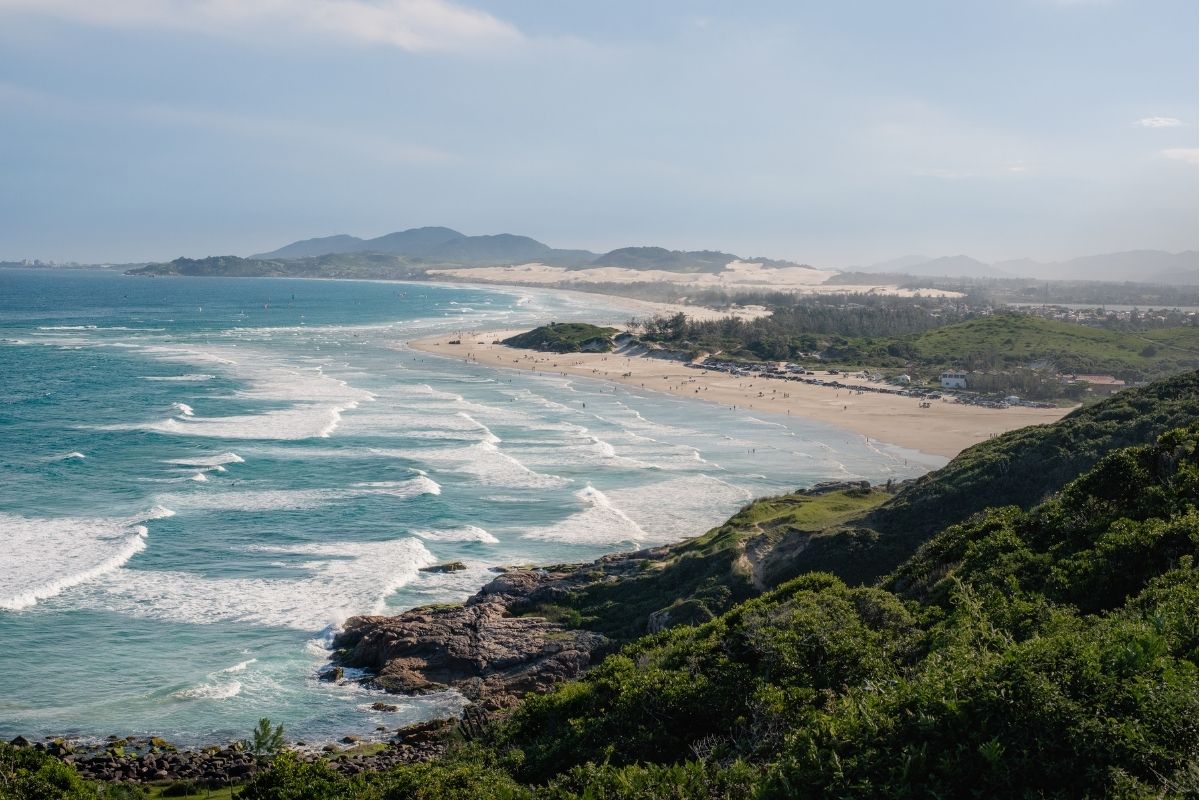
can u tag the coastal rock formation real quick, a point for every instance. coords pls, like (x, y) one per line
(482, 648)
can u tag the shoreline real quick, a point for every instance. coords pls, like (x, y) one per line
(944, 429)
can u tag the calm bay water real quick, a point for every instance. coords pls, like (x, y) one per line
(201, 478)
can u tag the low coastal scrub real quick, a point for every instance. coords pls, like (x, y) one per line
(920, 337)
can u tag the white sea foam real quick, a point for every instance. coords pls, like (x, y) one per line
(467, 533)
(74, 455)
(217, 460)
(599, 522)
(198, 477)
(211, 691)
(414, 487)
(47, 555)
(679, 507)
(184, 409)
(241, 665)
(251, 500)
(316, 401)
(194, 377)
(341, 580)
(490, 466)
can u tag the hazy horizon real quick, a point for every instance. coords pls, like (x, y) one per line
(835, 135)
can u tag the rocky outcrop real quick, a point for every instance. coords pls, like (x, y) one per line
(482, 648)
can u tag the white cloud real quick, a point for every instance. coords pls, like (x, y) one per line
(1158, 122)
(413, 25)
(1189, 155)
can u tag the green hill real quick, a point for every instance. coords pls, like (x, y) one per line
(664, 259)
(565, 337)
(1015, 340)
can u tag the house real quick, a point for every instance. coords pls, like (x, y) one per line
(1101, 384)
(954, 380)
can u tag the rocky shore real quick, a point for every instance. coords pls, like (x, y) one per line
(485, 649)
(500, 644)
(154, 760)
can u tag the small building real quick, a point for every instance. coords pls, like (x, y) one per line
(954, 380)
(1101, 384)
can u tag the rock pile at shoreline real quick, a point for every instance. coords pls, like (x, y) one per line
(153, 760)
(483, 648)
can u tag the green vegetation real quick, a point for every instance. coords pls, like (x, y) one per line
(29, 774)
(565, 337)
(862, 536)
(1007, 352)
(265, 742)
(1012, 340)
(1035, 635)
(1018, 468)
(698, 579)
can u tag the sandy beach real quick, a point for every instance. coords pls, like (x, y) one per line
(943, 429)
(737, 276)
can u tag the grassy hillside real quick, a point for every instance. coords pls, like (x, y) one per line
(859, 535)
(695, 580)
(565, 337)
(1016, 468)
(1011, 340)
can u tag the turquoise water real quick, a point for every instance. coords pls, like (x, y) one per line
(203, 477)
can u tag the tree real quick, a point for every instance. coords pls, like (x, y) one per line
(266, 743)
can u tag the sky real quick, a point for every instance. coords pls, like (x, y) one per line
(831, 133)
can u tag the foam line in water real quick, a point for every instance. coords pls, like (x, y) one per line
(599, 523)
(341, 580)
(184, 409)
(487, 464)
(211, 691)
(217, 460)
(48, 555)
(467, 533)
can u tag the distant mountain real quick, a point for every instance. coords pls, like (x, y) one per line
(900, 264)
(501, 248)
(413, 242)
(437, 245)
(1139, 266)
(1132, 265)
(956, 267)
(668, 260)
(340, 243)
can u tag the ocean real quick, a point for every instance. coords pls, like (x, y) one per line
(201, 478)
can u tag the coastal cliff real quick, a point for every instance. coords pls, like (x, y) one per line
(532, 628)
